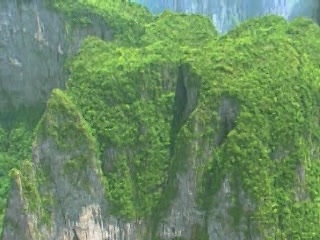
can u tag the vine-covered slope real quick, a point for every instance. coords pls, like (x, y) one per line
(236, 115)
(132, 108)
(266, 68)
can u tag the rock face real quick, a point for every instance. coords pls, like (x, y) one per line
(62, 187)
(21, 228)
(191, 136)
(52, 182)
(35, 41)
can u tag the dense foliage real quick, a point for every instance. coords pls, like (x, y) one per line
(126, 91)
(132, 110)
(126, 20)
(271, 68)
(16, 129)
(266, 151)
(264, 154)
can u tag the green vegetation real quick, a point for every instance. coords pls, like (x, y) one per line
(254, 122)
(16, 129)
(131, 112)
(36, 202)
(130, 115)
(63, 124)
(261, 64)
(179, 29)
(261, 155)
(125, 21)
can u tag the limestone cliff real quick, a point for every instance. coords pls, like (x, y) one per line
(173, 132)
(35, 41)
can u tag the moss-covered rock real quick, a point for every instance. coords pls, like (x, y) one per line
(260, 67)
(64, 176)
(201, 137)
(179, 29)
(15, 147)
(127, 20)
(256, 115)
(131, 115)
(132, 110)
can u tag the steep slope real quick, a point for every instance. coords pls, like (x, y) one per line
(37, 37)
(192, 136)
(261, 172)
(64, 173)
(35, 42)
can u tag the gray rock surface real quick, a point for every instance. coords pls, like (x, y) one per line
(35, 42)
(34, 45)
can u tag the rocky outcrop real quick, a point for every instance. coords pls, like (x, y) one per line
(192, 137)
(18, 228)
(35, 41)
(50, 189)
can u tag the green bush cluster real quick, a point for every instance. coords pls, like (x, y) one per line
(31, 178)
(179, 29)
(126, 21)
(64, 124)
(16, 134)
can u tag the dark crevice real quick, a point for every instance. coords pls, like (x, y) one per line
(228, 112)
(75, 237)
(185, 101)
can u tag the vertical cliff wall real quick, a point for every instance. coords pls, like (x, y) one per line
(172, 132)
(193, 136)
(35, 41)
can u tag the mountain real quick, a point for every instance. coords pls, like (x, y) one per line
(226, 14)
(157, 127)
